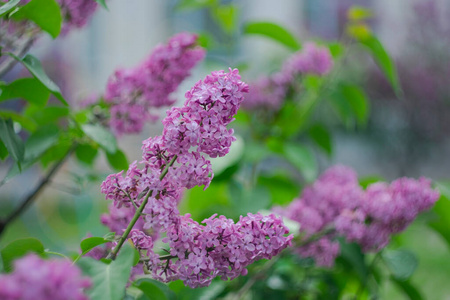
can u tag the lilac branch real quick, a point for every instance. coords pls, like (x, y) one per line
(123, 238)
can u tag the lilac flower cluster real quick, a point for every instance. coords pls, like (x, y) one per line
(37, 279)
(175, 161)
(132, 92)
(270, 92)
(337, 205)
(76, 13)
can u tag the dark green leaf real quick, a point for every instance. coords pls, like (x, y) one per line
(282, 189)
(102, 3)
(7, 7)
(44, 13)
(3, 151)
(273, 31)
(357, 99)
(29, 89)
(34, 66)
(86, 153)
(353, 255)
(18, 249)
(410, 290)
(198, 201)
(12, 141)
(118, 161)
(109, 280)
(401, 263)
(103, 137)
(154, 290)
(303, 159)
(320, 135)
(57, 152)
(384, 61)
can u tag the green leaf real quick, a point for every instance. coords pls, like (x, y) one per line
(29, 89)
(102, 3)
(353, 255)
(320, 135)
(118, 161)
(246, 199)
(303, 159)
(401, 263)
(441, 224)
(410, 290)
(282, 189)
(26, 122)
(12, 141)
(109, 280)
(358, 102)
(154, 290)
(384, 61)
(3, 151)
(364, 182)
(88, 244)
(86, 153)
(103, 137)
(44, 13)
(195, 4)
(35, 67)
(40, 141)
(226, 16)
(274, 32)
(46, 115)
(19, 248)
(358, 13)
(7, 7)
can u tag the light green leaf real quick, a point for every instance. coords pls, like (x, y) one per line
(44, 13)
(274, 32)
(8, 6)
(303, 159)
(109, 280)
(358, 13)
(118, 161)
(46, 115)
(26, 122)
(401, 263)
(40, 141)
(35, 67)
(195, 4)
(29, 89)
(19, 248)
(103, 137)
(384, 61)
(226, 15)
(88, 244)
(12, 141)
(320, 135)
(247, 199)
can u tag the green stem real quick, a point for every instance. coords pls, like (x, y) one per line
(112, 255)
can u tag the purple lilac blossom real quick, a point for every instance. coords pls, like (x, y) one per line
(36, 279)
(133, 92)
(337, 203)
(192, 133)
(270, 92)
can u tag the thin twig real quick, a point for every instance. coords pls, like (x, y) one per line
(112, 255)
(10, 62)
(32, 196)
